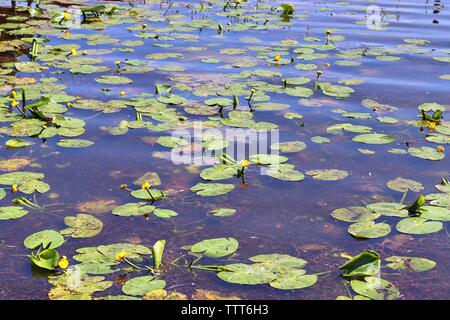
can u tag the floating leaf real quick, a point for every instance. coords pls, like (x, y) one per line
(223, 212)
(375, 288)
(74, 143)
(327, 174)
(133, 209)
(216, 248)
(49, 239)
(164, 213)
(139, 286)
(403, 185)
(418, 225)
(366, 263)
(426, 153)
(369, 229)
(212, 189)
(82, 226)
(410, 263)
(354, 214)
(373, 138)
(12, 212)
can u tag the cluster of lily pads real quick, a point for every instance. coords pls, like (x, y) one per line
(362, 271)
(416, 218)
(38, 107)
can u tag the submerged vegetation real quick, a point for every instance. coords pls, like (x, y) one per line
(353, 196)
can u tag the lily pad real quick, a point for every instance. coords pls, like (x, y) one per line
(139, 286)
(410, 263)
(354, 214)
(426, 153)
(212, 189)
(373, 138)
(375, 288)
(327, 174)
(369, 229)
(216, 248)
(418, 225)
(12, 212)
(49, 239)
(82, 226)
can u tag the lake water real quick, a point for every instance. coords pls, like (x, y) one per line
(272, 215)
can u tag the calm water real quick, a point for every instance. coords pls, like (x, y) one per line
(272, 216)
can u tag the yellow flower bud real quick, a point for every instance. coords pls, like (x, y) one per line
(63, 263)
(277, 57)
(432, 126)
(328, 31)
(73, 51)
(319, 73)
(144, 26)
(245, 163)
(252, 90)
(14, 188)
(117, 62)
(123, 186)
(120, 255)
(145, 185)
(122, 93)
(14, 94)
(14, 103)
(440, 149)
(66, 15)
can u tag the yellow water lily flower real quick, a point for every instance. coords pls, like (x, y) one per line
(327, 65)
(277, 57)
(440, 149)
(73, 51)
(68, 104)
(117, 62)
(63, 263)
(123, 186)
(67, 32)
(432, 126)
(144, 26)
(14, 188)
(14, 94)
(252, 90)
(145, 185)
(14, 103)
(121, 255)
(66, 15)
(328, 31)
(319, 73)
(122, 93)
(245, 163)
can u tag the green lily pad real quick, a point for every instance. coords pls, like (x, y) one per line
(216, 248)
(426, 153)
(354, 214)
(267, 159)
(18, 143)
(369, 229)
(289, 146)
(410, 263)
(294, 279)
(171, 142)
(366, 263)
(46, 259)
(375, 288)
(373, 138)
(164, 213)
(49, 239)
(12, 212)
(251, 274)
(284, 172)
(133, 209)
(113, 80)
(139, 286)
(403, 185)
(418, 225)
(212, 189)
(82, 226)
(327, 174)
(74, 143)
(390, 209)
(218, 172)
(223, 212)
(435, 213)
